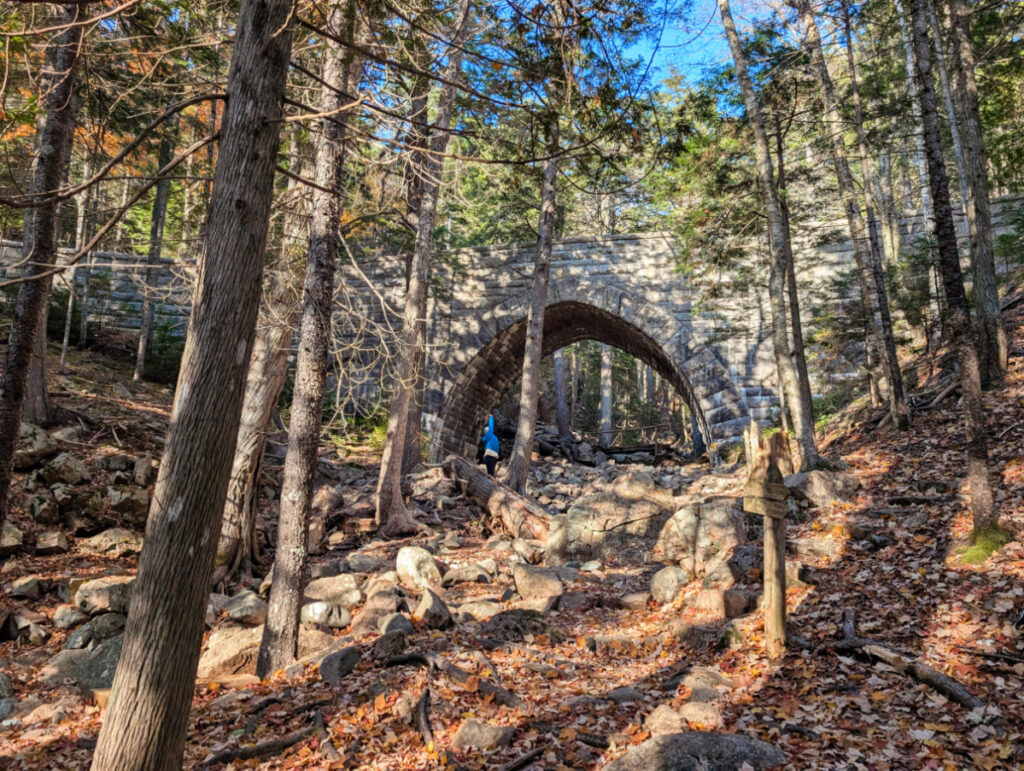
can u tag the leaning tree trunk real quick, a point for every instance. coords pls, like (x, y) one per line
(268, 370)
(147, 717)
(392, 515)
(522, 449)
(39, 246)
(800, 410)
(279, 647)
(982, 504)
(993, 344)
(864, 253)
(156, 245)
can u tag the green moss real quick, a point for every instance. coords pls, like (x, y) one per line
(983, 544)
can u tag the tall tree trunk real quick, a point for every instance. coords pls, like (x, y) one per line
(803, 421)
(391, 513)
(522, 449)
(913, 89)
(268, 370)
(795, 322)
(993, 344)
(148, 713)
(81, 236)
(947, 96)
(279, 647)
(39, 247)
(607, 396)
(562, 397)
(156, 245)
(982, 503)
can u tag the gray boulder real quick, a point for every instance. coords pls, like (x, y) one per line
(480, 610)
(115, 542)
(339, 589)
(464, 575)
(67, 616)
(332, 615)
(701, 537)
(432, 612)
(668, 582)
(395, 622)
(11, 540)
(110, 594)
(34, 446)
(65, 468)
(51, 542)
(697, 751)
(535, 583)
(823, 488)
(474, 733)
(247, 609)
(416, 568)
(336, 666)
(89, 668)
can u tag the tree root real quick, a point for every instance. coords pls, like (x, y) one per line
(501, 696)
(401, 522)
(525, 760)
(271, 747)
(905, 665)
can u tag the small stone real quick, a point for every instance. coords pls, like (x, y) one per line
(416, 568)
(468, 574)
(11, 540)
(668, 582)
(115, 543)
(34, 446)
(474, 733)
(51, 542)
(334, 667)
(490, 565)
(131, 501)
(363, 563)
(480, 610)
(698, 750)
(215, 603)
(528, 551)
(335, 589)
(664, 720)
(6, 684)
(65, 468)
(27, 587)
(247, 608)
(432, 612)
(701, 714)
(327, 614)
(388, 645)
(142, 471)
(590, 567)
(328, 569)
(395, 622)
(102, 595)
(106, 626)
(635, 600)
(67, 616)
(43, 509)
(534, 582)
(37, 635)
(625, 695)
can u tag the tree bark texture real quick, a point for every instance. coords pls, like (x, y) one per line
(268, 370)
(803, 422)
(147, 717)
(391, 513)
(866, 256)
(156, 244)
(993, 344)
(280, 642)
(982, 504)
(56, 130)
(522, 449)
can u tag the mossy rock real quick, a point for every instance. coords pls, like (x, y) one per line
(984, 543)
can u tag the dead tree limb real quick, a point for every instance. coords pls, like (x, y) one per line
(271, 747)
(520, 516)
(525, 760)
(502, 697)
(904, 664)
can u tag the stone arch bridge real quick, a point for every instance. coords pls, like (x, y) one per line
(623, 290)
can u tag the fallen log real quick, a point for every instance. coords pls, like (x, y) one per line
(904, 664)
(520, 516)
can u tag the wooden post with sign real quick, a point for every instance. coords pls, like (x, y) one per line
(766, 494)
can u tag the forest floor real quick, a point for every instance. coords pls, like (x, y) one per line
(589, 679)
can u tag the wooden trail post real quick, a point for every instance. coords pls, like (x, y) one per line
(765, 494)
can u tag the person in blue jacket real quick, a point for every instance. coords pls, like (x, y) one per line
(490, 440)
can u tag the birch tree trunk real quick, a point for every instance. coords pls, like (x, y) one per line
(522, 449)
(156, 244)
(993, 344)
(39, 247)
(982, 503)
(279, 646)
(392, 516)
(147, 717)
(803, 422)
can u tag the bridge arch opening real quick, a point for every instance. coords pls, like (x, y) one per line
(619, 320)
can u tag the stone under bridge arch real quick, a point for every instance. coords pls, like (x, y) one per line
(491, 357)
